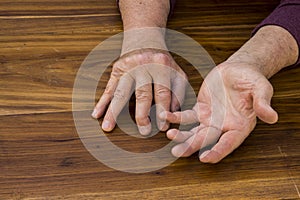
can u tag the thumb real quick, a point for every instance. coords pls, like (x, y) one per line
(262, 96)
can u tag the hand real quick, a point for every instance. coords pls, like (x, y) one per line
(140, 69)
(229, 100)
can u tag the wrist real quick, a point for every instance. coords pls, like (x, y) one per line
(270, 49)
(144, 38)
(245, 59)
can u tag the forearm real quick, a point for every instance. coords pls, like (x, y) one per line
(140, 17)
(270, 49)
(144, 13)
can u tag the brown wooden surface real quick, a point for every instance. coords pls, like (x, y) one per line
(43, 43)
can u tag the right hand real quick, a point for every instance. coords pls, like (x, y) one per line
(140, 69)
(230, 98)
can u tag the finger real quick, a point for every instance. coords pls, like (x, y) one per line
(162, 100)
(204, 137)
(262, 96)
(121, 97)
(161, 75)
(162, 96)
(105, 98)
(181, 136)
(227, 143)
(179, 84)
(143, 92)
(184, 117)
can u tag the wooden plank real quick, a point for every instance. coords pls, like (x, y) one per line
(42, 45)
(42, 152)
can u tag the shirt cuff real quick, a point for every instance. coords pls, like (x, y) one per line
(287, 16)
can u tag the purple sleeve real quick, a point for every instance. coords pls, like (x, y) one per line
(172, 5)
(287, 16)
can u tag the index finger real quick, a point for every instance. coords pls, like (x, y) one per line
(184, 117)
(121, 97)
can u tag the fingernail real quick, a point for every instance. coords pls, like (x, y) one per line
(163, 115)
(105, 125)
(145, 130)
(163, 126)
(203, 155)
(171, 134)
(175, 152)
(94, 114)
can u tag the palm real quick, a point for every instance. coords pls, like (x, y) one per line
(229, 100)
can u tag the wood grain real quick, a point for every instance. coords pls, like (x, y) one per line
(42, 45)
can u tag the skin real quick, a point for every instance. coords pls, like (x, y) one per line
(233, 95)
(139, 67)
(231, 98)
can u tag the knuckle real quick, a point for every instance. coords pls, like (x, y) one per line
(143, 94)
(119, 95)
(138, 58)
(141, 57)
(108, 90)
(161, 58)
(119, 68)
(131, 58)
(228, 144)
(128, 59)
(117, 63)
(119, 71)
(162, 92)
(116, 73)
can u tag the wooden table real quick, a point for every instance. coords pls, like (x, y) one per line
(42, 45)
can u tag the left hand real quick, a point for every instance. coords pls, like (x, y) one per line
(229, 100)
